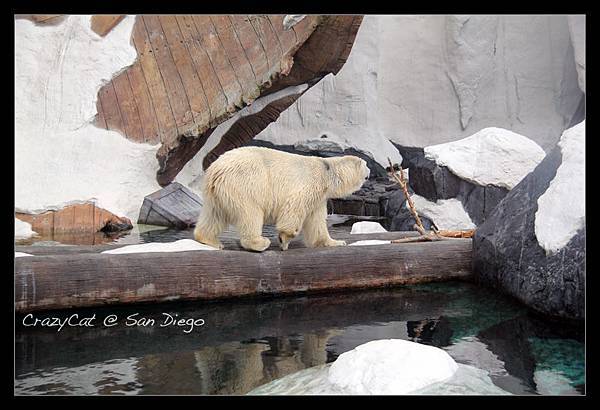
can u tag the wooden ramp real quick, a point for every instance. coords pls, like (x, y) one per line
(81, 276)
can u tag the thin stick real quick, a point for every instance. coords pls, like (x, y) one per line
(402, 182)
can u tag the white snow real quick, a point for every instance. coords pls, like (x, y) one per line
(367, 227)
(23, 229)
(391, 366)
(22, 254)
(492, 156)
(60, 157)
(370, 242)
(181, 245)
(447, 214)
(561, 209)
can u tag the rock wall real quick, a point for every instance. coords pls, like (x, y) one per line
(533, 245)
(425, 80)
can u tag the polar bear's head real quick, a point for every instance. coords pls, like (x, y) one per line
(348, 174)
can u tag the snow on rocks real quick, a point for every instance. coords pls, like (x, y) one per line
(370, 242)
(181, 245)
(21, 254)
(447, 214)
(367, 227)
(492, 156)
(23, 230)
(392, 366)
(561, 209)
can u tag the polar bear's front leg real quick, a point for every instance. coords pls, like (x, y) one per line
(315, 229)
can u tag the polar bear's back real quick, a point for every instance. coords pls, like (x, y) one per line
(260, 176)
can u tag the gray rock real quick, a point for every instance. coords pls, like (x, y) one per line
(435, 182)
(507, 255)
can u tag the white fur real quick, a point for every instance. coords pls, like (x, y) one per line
(250, 186)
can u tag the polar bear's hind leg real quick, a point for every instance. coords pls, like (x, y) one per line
(209, 226)
(249, 225)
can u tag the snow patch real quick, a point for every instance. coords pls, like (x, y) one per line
(370, 242)
(181, 245)
(561, 209)
(367, 227)
(447, 214)
(23, 230)
(22, 254)
(61, 157)
(492, 156)
(391, 366)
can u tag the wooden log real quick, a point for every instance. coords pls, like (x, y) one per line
(91, 279)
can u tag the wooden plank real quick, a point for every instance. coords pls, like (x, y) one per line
(110, 108)
(43, 19)
(175, 91)
(64, 220)
(128, 108)
(99, 120)
(143, 101)
(228, 81)
(237, 57)
(264, 31)
(184, 65)
(153, 79)
(252, 46)
(211, 87)
(103, 24)
(287, 39)
(83, 218)
(80, 280)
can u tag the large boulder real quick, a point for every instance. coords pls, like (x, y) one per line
(476, 172)
(532, 246)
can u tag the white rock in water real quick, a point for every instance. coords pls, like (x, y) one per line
(391, 366)
(492, 156)
(181, 245)
(367, 227)
(23, 230)
(22, 254)
(445, 213)
(561, 209)
(370, 242)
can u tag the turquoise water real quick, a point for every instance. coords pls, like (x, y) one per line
(245, 344)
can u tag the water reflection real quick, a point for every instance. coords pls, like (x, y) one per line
(252, 342)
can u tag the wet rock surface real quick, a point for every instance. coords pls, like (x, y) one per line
(507, 254)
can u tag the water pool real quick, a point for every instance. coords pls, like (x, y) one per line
(247, 343)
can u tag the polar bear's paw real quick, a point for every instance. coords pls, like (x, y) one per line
(256, 244)
(335, 242)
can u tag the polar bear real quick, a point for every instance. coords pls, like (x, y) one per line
(251, 186)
